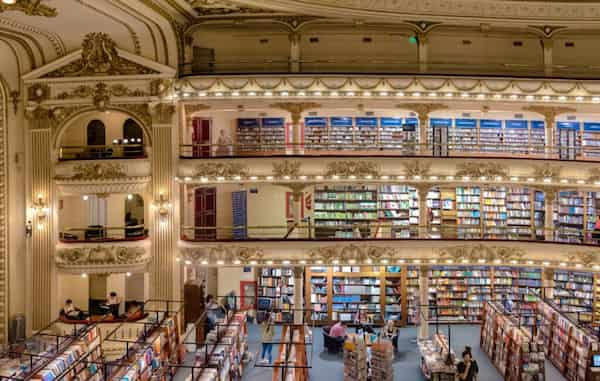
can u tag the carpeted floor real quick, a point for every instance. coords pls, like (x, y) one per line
(327, 367)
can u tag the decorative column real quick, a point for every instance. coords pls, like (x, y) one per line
(162, 266)
(298, 295)
(422, 42)
(294, 65)
(548, 283)
(550, 113)
(422, 190)
(547, 45)
(40, 258)
(423, 303)
(296, 110)
(550, 195)
(423, 110)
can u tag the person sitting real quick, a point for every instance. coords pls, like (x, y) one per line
(134, 312)
(69, 311)
(338, 330)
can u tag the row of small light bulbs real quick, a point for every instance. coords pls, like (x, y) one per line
(388, 261)
(516, 179)
(397, 94)
(85, 275)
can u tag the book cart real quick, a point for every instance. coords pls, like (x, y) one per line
(515, 352)
(570, 347)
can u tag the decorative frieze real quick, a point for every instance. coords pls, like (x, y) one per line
(222, 169)
(547, 171)
(98, 171)
(223, 254)
(476, 170)
(286, 168)
(102, 258)
(357, 168)
(487, 253)
(417, 168)
(30, 8)
(349, 253)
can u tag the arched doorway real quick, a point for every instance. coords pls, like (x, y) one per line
(96, 139)
(134, 135)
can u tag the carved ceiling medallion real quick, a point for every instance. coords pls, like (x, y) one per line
(99, 56)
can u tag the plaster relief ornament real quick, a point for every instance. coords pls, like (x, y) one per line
(101, 255)
(99, 56)
(221, 170)
(286, 168)
(547, 171)
(98, 171)
(222, 7)
(30, 8)
(417, 168)
(587, 258)
(352, 168)
(473, 253)
(473, 169)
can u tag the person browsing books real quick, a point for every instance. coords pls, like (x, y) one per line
(338, 330)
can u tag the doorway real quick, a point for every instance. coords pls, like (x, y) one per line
(201, 137)
(205, 213)
(134, 135)
(96, 139)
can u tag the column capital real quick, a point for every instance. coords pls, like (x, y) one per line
(298, 271)
(162, 113)
(422, 189)
(549, 112)
(295, 108)
(296, 188)
(550, 193)
(422, 109)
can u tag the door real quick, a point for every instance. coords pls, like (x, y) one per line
(440, 141)
(201, 137)
(205, 213)
(567, 142)
(135, 139)
(247, 295)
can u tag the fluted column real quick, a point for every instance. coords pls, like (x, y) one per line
(422, 190)
(550, 195)
(298, 294)
(41, 248)
(423, 303)
(294, 65)
(550, 113)
(423, 110)
(296, 110)
(162, 266)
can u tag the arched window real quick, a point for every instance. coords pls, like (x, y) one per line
(96, 133)
(133, 133)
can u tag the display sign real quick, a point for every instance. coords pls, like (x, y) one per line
(490, 123)
(245, 122)
(568, 125)
(391, 122)
(315, 121)
(465, 123)
(591, 126)
(338, 121)
(273, 122)
(516, 124)
(366, 121)
(537, 124)
(438, 122)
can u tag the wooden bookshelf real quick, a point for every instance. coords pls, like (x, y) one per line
(277, 284)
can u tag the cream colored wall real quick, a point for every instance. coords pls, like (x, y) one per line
(76, 132)
(229, 278)
(135, 287)
(74, 287)
(75, 211)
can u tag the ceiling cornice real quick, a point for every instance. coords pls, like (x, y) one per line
(463, 11)
(57, 43)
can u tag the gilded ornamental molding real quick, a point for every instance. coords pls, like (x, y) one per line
(547, 171)
(356, 168)
(102, 259)
(287, 168)
(101, 89)
(477, 170)
(226, 169)
(223, 7)
(417, 168)
(98, 171)
(344, 254)
(487, 253)
(243, 255)
(30, 8)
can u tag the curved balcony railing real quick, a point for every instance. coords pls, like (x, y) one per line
(328, 148)
(386, 231)
(99, 233)
(95, 152)
(362, 65)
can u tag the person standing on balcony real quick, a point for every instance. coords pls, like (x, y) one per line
(224, 145)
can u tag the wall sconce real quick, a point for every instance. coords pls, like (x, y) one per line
(162, 205)
(40, 210)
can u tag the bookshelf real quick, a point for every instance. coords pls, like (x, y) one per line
(394, 304)
(254, 134)
(434, 213)
(356, 297)
(490, 135)
(574, 293)
(398, 205)
(344, 211)
(468, 212)
(318, 281)
(591, 139)
(316, 133)
(520, 213)
(569, 217)
(522, 285)
(457, 293)
(537, 137)
(516, 136)
(539, 215)
(272, 133)
(596, 305)
(277, 284)
(592, 212)
(248, 134)
(513, 351)
(464, 135)
(412, 295)
(398, 133)
(341, 132)
(568, 346)
(366, 132)
(494, 213)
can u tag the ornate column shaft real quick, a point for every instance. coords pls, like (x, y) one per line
(41, 248)
(162, 265)
(550, 113)
(547, 46)
(298, 294)
(549, 199)
(422, 46)
(422, 190)
(296, 110)
(294, 65)
(423, 309)
(423, 110)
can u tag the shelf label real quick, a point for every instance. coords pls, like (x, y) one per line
(537, 124)
(439, 122)
(366, 121)
(568, 125)
(465, 123)
(591, 127)
(391, 122)
(341, 121)
(246, 122)
(490, 123)
(516, 124)
(273, 122)
(315, 121)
